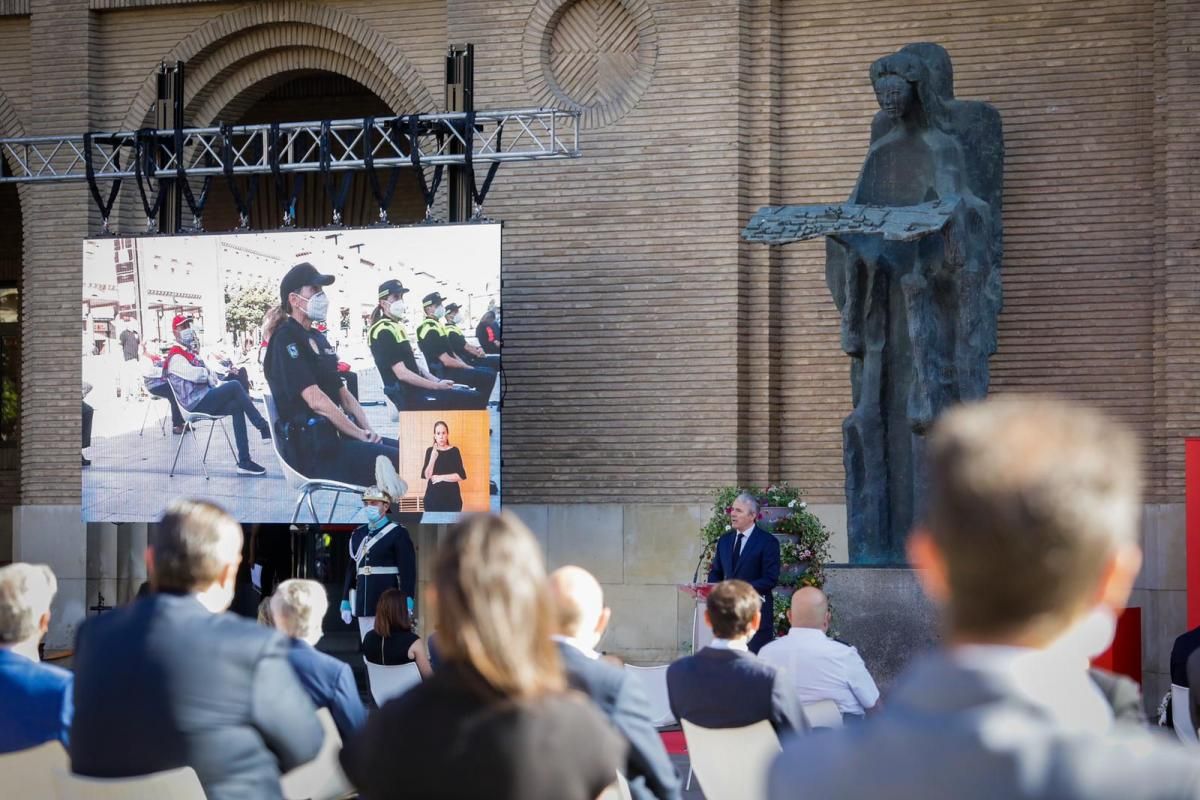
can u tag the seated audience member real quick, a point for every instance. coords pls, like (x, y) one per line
(495, 720)
(392, 641)
(1030, 538)
(1123, 695)
(818, 667)
(170, 681)
(265, 617)
(724, 685)
(582, 618)
(297, 609)
(35, 698)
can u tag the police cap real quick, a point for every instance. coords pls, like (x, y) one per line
(392, 286)
(299, 276)
(450, 309)
(432, 299)
(375, 493)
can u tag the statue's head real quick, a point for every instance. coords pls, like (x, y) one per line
(903, 86)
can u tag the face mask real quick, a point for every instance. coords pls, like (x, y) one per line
(1090, 636)
(187, 337)
(439, 312)
(373, 514)
(398, 310)
(318, 307)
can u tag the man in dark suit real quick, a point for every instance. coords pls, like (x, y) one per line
(298, 610)
(749, 553)
(582, 619)
(1029, 543)
(170, 681)
(35, 697)
(1186, 643)
(724, 685)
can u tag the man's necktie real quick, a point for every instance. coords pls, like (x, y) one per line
(737, 551)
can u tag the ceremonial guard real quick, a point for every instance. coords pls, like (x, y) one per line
(381, 558)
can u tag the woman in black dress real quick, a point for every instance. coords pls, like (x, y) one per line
(443, 470)
(392, 641)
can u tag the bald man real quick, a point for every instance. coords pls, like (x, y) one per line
(582, 618)
(821, 668)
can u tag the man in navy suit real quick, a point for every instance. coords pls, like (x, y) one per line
(749, 553)
(35, 697)
(582, 619)
(724, 685)
(170, 680)
(298, 609)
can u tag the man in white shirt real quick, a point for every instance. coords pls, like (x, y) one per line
(818, 667)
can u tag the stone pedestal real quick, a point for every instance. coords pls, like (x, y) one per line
(882, 612)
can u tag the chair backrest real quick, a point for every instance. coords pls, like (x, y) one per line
(731, 763)
(173, 784)
(290, 475)
(823, 714)
(322, 778)
(30, 773)
(391, 681)
(653, 681)
(1181, 714)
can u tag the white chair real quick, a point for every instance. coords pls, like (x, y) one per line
(653, 681)
(1181, 714)
(619, 790)
(823, 714)
(30, 773)
(731, 763)
(389, 682)
(307, 486)
(322, 778)
(173, 784)
(191, 420)
(162, 419)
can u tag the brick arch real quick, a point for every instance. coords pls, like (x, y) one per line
(264, 25)
(246, 82)
(230, 65)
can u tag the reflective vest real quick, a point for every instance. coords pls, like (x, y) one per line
(429, 324)
(386, 324)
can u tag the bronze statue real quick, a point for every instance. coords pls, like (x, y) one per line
(913, 263)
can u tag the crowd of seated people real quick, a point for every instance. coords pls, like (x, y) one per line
(1028, 547)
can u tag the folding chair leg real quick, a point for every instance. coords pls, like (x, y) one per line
(203, 465)
(232, 452)
(312, 509)
(212, 426)
(299, 505)
(145, 416)
(178, 447)
(333, 507)
(688, 788)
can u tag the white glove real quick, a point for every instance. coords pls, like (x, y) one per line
(347, 617)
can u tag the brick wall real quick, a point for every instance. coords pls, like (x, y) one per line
(652, 355)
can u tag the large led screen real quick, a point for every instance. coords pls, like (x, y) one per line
(270, 372)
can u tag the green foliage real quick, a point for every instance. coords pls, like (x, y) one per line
(783, 604)
(245, 306)
(811, 548)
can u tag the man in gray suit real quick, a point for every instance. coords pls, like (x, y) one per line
(1029, 545)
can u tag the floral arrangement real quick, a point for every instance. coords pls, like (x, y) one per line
(804, 546)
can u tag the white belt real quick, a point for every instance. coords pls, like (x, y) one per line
(378, 570)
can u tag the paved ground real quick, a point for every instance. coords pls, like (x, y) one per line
(128, 480)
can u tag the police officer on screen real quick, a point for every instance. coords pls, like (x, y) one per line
(434, 343)
(381, 558)
(405, 384)
(323, 431)
(459, 345)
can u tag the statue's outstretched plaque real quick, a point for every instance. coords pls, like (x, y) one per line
(913, 263)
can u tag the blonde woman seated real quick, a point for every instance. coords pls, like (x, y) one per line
(392, 641)
(496, 720)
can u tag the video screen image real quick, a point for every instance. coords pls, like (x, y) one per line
(279, 374)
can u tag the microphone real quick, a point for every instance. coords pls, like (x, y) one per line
(699, 561)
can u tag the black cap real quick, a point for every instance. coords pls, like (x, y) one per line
(299, 276)
(392, 286)
(432, 299)
(452, 307)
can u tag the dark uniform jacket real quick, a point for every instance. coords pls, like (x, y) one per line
(393, 549)
(431, 338)
(389, 346)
